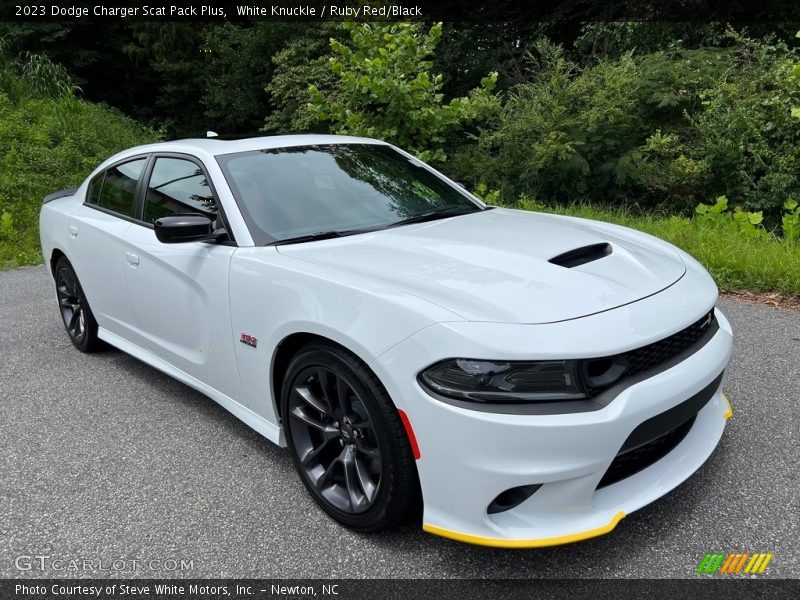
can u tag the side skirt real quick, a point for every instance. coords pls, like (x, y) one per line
(269, 430)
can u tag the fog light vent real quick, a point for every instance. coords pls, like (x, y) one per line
(512, 498)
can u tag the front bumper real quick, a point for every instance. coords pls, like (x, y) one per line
(468, 457)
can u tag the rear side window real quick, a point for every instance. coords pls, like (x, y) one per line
(97, 187)
(178, 187)
(115, 188)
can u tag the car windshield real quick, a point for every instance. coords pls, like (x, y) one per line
(309, 192)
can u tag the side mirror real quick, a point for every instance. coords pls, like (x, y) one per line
(184, 228)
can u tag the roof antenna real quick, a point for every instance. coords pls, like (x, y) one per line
(211, 134)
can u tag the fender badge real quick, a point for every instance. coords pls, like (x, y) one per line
(249, 340)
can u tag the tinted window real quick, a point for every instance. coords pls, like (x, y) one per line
(116, 189)
(178, 187)
(290, 192)
(97, 187)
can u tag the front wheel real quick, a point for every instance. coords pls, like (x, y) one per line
(75, 312)
(347, 440)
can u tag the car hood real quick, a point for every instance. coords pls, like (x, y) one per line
(494, 265)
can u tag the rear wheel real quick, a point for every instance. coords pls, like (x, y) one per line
(75, 312)
(347, 440)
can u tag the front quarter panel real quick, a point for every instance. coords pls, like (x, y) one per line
(274, 296)
(469, 456)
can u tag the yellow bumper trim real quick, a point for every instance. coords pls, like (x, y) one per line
(530, 543)
(729, 413)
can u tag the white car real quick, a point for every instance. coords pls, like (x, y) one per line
(526, 379)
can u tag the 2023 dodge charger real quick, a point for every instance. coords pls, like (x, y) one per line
(528, 378)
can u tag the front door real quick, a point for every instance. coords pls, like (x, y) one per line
(179, 292)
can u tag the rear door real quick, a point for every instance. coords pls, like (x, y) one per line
(179, 292)
(97, 249)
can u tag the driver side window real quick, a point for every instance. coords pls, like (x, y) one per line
(178, 187)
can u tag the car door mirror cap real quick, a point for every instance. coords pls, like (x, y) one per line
(176, 229)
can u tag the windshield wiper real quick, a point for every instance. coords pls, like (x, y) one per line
(320, 235)
(433, 215)
(427, 216)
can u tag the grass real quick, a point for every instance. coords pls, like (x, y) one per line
(47, 144)
(735, 260)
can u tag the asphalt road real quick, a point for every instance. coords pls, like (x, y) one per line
(105, 459)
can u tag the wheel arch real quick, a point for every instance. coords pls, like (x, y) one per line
(55, 255)
(288, 348)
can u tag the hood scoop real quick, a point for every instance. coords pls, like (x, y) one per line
(582, 255)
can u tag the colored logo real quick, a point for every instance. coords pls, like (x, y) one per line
(734, 563)
(249, 340)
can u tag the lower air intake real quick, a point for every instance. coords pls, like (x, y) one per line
(656, 437)
(632, 461)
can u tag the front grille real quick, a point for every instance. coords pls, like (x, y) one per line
(647, 357)
(632, 461)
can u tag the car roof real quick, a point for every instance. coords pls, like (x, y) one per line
(216, 146)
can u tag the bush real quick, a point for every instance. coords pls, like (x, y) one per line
(51, 140)
(751, 224)
(561, 135)
(666, 129)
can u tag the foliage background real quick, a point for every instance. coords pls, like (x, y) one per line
(49, 140)
(628, 120)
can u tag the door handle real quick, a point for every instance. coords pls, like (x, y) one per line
(73, 231)
(132, 259)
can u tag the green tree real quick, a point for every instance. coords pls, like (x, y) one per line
(175, 52)
(239, 67)
(795, 76)
(301, 63)
(385, 88)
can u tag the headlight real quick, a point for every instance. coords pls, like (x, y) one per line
(505, 381)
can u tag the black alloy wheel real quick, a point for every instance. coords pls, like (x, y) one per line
(75, 312)
(335, 439)
(347, 440)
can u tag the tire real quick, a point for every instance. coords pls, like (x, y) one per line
(347, 440)
(75, 312)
